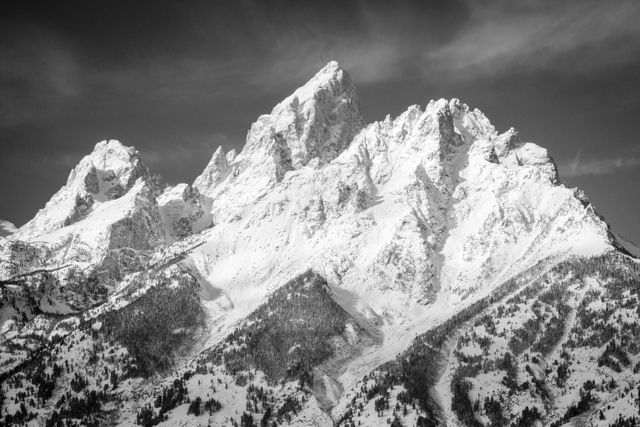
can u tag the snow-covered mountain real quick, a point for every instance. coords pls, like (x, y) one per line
(295, 279)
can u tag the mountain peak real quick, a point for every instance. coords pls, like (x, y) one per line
(318, 120)
(113, 145)
(329, 77)
(331, 65)
(215, 171)
(107, 151)
(107, 173)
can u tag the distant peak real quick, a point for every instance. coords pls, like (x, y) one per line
(107, 173)
(331, 77)
(219, 153)
(110, 166)
(215, 171)
(318, 120)
(112, 148)
(109, 143)
(331, 67)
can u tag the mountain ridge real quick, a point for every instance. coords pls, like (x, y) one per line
(410, 221)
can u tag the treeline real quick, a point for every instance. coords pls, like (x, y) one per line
(582, 406)
(170, 397)
(155, 326)
(417, 367)
(86, 409)
(289, 335)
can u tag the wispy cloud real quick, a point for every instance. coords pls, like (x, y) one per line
(579, 167)
(38, 75)
(488, 39)
(571, 37)
(42, 73)
(369, 62)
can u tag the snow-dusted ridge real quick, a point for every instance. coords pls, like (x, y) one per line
(410, 220)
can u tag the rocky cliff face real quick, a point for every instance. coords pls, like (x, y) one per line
(385, 230)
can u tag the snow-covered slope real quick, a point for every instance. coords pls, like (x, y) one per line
(361, 236)
(432, 200)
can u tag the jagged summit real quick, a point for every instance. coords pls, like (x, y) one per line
(107, 173)
(317, 121)
(113, 155)
(331, 77)
(215, 171)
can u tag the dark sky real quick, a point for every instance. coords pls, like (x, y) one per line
(176, 81)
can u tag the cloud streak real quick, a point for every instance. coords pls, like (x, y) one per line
(38, 75)
(268, 52)
(567, 37)
(488, 39)
(594, 167)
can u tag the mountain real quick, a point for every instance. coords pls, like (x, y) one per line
(106, 174)
(421, 270)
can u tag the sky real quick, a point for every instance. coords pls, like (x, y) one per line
(176, 79)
